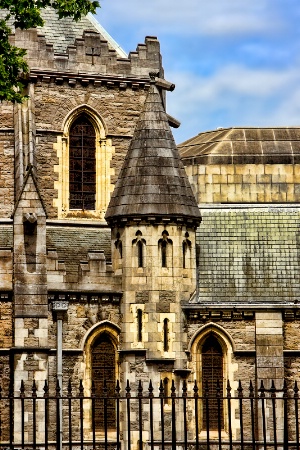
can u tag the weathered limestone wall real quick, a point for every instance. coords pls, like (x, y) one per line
(244, 183)
(157, 291)
(248, 254)
(6, 169)
(117, 109)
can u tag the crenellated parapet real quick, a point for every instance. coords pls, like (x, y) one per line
(89, 54)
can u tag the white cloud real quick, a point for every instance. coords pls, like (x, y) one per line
(195, 17)
(235, 95)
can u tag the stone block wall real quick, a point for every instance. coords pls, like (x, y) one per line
(245, 183)
(6, 165)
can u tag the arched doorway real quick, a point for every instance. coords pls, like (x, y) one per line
(104, 372)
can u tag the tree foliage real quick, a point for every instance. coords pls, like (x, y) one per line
(26, 14)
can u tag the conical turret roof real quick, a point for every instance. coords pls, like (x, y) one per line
(152, 182)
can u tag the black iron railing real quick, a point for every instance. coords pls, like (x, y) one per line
(191, 417)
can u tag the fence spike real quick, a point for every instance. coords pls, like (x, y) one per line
(22, 389)
(195, 389)
(46, 389)
(240, 390)
(262, 389)
(173, 389)
(69, 388)
(118, 389)
(296, 390)
(228, 389)
(251, 390)
(161, 389)
(128, 389)
(140, 389)
(57, 388)
(184, 389)
(273, 389)
(34, 389)
(81, 393)
(150, 389)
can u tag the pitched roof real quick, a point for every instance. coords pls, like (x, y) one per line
(243, 146)
(152, 181)
(63, 32)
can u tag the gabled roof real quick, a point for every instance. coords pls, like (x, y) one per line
(152, 181)
(63, 32)
(243, 146)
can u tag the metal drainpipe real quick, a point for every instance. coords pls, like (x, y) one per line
(59, 307)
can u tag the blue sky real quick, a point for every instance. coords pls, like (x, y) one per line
(234, 62)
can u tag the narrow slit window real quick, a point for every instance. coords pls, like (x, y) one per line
(163, 254)
(166, 335)
(140, 250)
(82, 165)
(184, 247)
(139, 324)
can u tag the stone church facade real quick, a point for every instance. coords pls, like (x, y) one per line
(116, 262)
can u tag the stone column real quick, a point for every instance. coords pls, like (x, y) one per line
(270, 365)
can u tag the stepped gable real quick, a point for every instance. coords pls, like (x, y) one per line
(152, 182)
(243, 146)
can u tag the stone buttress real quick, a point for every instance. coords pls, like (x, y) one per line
(30, 291)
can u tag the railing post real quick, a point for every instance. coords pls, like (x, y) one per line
(173, 396)
(162, 397)
(296, 402)
(150, 389)
(285, 416)
(128, 396)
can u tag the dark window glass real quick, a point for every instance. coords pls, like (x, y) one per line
(139, 324)
(104, 370)
(140, 250)
(166, 335)
(163, 254)
(82, 165)
(212, 373)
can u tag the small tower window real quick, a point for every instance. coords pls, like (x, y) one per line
(139, 243)
(82, 166)
(163, 244)
(139, 325)
(166, 335)
(118, 245)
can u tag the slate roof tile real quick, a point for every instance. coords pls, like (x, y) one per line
(152, 180)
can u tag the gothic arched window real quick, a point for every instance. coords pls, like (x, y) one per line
(82, 164)
(212, 377)
(104, 372)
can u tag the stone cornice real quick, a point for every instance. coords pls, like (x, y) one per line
(82, 297)
(85, 79)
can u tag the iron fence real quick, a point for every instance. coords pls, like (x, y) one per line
(191, 417)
